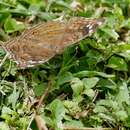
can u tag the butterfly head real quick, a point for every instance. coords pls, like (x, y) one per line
(91, 26)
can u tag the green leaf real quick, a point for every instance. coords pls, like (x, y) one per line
(108, 104)
(126, 23)
(90, 82)
(123, 93)
(74, 123)
(92, 74)
(64, 78)
(11, 25)
(4, 16)
(46, 16)
(68, 56)
(4, 126)
(93, 56)
(107, 83)
(20, 10)
(13, 98)
(39, 89)
(117, 63)
(100, 109)
(57, 112)
(125, 54)
(124, 50)
(6, 110)
(89, 92)
(34, 9)
(95, 121)
(110, 32)
(127, 122)
(48, 119)
(62, 3)
(121, 115)
(72, 107)
(107, 117)
(77, 86)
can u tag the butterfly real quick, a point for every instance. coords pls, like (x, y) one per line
(43, 41)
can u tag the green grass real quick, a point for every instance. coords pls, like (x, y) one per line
(89, 84)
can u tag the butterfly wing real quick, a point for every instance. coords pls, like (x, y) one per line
(36, 45)
(78, 29)
(40, 43)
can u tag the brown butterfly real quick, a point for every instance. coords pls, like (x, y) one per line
(43, 41)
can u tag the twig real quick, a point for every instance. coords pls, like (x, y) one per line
(85, 128)
(44, 95)
(96, 94)
(46, 2)
(39, 121)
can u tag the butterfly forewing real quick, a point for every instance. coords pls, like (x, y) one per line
(42, 42)
(79, 29)
(36, 46)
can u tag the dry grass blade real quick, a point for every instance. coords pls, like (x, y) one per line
(85, 128)
(40, 123)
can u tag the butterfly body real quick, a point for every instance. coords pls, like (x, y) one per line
(42, 42)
